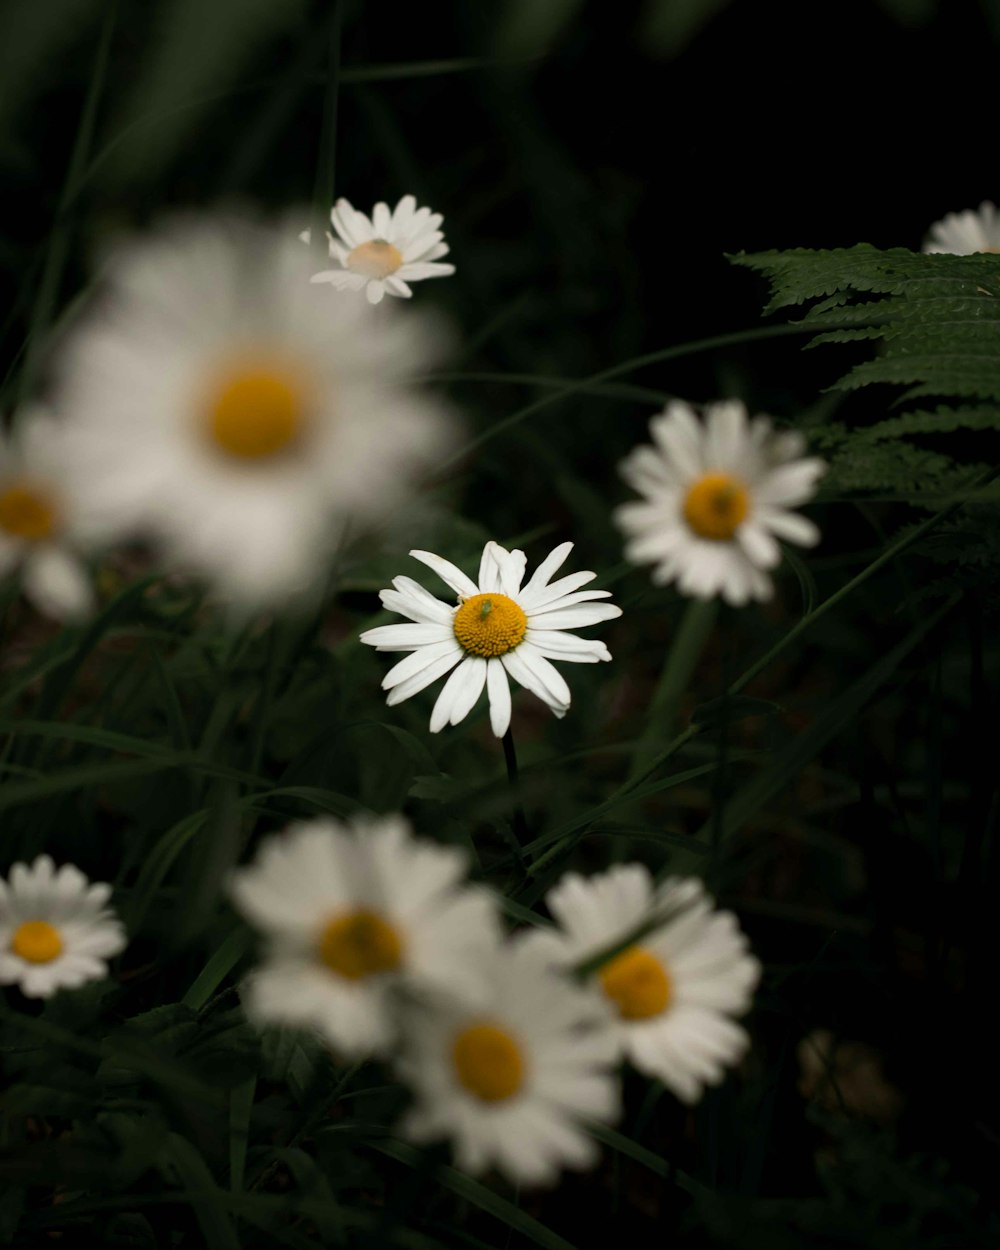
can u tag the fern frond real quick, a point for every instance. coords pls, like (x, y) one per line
(929, 324)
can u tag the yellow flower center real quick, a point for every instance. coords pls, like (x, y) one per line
(27, 512)
(637, 983)
(256, 410)
(488, 1062)
(375, 259)
(360, 944)
(37, 941)
(716, 505)
(490, 625)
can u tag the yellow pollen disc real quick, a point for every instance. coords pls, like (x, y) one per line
(716, 505)
(637, 983)
(490, 625)
(37, 941)
(27, 512)
(488, 1062)
(375, 259)
(254, 412)
(360, 944)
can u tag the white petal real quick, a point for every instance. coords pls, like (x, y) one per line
(381, 220)
(790, 526)
(726, 435)
(405, 637)
(498, 692)
(420, 681)
(758, 544)
(418, 660)
(552, 562)
(448, 572)
(489, 568)
(459, 694)
(528, 675)
(56, 583)
(577, 617)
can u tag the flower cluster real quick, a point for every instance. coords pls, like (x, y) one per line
(219, 402)
(376, 942)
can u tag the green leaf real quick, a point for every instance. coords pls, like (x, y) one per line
(180, 1161)
(936, 317)
(221, 964)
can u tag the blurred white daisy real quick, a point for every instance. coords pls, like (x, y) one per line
(962, 234)
(352, 913)
(36, 518)
(55, 930)
(384, 253)
(226, 408)
(717, 499)
(510, 1072)
(674, 991)
(499, 629)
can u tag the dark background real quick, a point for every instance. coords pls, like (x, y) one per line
(592, 177)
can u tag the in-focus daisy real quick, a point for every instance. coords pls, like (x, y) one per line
(674, 991)
(962, 234)
(717, 499)
(387, 251)
(498, 629)
(55, 930)
(37, 518)
(510, 1071)
(352, 913)
(222, 405)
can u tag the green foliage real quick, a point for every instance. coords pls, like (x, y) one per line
(933, 326)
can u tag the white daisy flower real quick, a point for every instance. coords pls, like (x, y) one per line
(510, 1072)
(387, 251)
(351, 914)
(498, 629)
(717, 498)
(55, 930)
(228, 409)
(673, 992)
(37, 518)
(962, 234)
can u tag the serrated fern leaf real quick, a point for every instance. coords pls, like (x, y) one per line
(936, 317)
(929, 324)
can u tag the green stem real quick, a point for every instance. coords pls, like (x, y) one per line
(677, 352)
(682, 658)
(510, 759)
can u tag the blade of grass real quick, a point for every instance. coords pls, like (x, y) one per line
(478, 1195)
(804, 746)
(59, 238)
(682, 658)
(240, 1107)
(221, 964)
(182, 1159)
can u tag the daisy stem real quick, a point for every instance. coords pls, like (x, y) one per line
(510, 759)
(682, 658)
